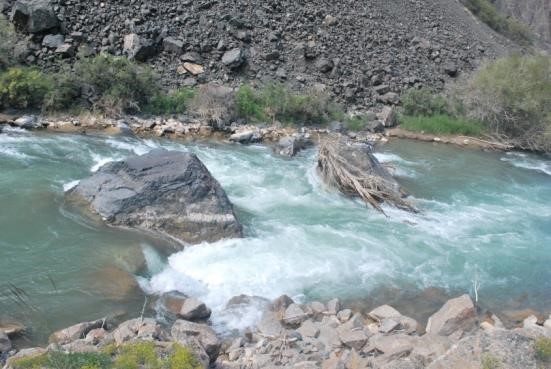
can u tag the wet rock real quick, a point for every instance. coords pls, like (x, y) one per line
(75, 332)
(291, 145)
(166, 192)
(28, 122)
(34, 16)
(138, 48)
(384, 312)
(246, 136)
(457, 314)
(193, 309)
(233, 58)
(182, 329)
(5, 343)
(11, 328)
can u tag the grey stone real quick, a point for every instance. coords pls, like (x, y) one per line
(269, 324)
(246, 136)
(384, 312)
(75, 332)
(457, 314)
(65, 50)
(28, 122)
(143, 329)
(173, 45)
(333, 306)
(166, 192)
(138, 48)
(387, 116)
(193, 309)
(233, 58)
(353, 338)
(375, 126)
(291, 145)
(388, 325)
(34, 16)
(294, 315)
(53, 41)
(324, 65)
(308, 329)
(206, 336)
(344, 315)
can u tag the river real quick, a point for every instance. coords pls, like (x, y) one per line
(485, 219)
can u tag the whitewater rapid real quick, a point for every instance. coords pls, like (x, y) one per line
(485, 216)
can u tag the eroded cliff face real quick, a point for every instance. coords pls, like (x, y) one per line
(534, 13)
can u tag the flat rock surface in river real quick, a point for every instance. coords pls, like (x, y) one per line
(168, 192)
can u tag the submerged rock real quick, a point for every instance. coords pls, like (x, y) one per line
(169, 193)
(5, 343)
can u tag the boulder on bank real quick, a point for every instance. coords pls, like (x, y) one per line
(457, 314)
(291, 145)
(351, 167)
(167, 192)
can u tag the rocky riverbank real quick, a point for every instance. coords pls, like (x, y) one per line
(286, 140)
(316, 335)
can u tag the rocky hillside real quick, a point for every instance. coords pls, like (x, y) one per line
(363, 52)
(535, 13)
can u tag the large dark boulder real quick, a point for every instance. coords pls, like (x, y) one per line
(170, 193)
(34, 16)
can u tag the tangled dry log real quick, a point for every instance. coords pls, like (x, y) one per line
(353, 169)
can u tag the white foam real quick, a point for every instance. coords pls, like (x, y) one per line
(69, 185)
(528, 161)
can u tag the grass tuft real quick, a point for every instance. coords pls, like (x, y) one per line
(441, 124)
(543, 349)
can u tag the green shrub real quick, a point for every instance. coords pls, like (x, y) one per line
(512, 96)
(543, 349)
(65, 92)
(23, 88)
(7, 42)
(422, 102)
(249, 104)
(120, 84)
(356, 123)
(277, 103)
(137, 356)
(182, 358)
(175, 102)
(441, 124)
(141, 355)
(509, 27)
(59, 360)
(490, 362)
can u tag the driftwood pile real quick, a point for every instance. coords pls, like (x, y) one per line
(351, 167)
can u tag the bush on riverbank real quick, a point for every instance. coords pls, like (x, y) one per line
(274, 102)
(175, 102)
(441, 124)
(507, 26)
(142, 355)
(24, 88)
(512, 96)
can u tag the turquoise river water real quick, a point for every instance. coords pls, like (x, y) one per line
(485, 219)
